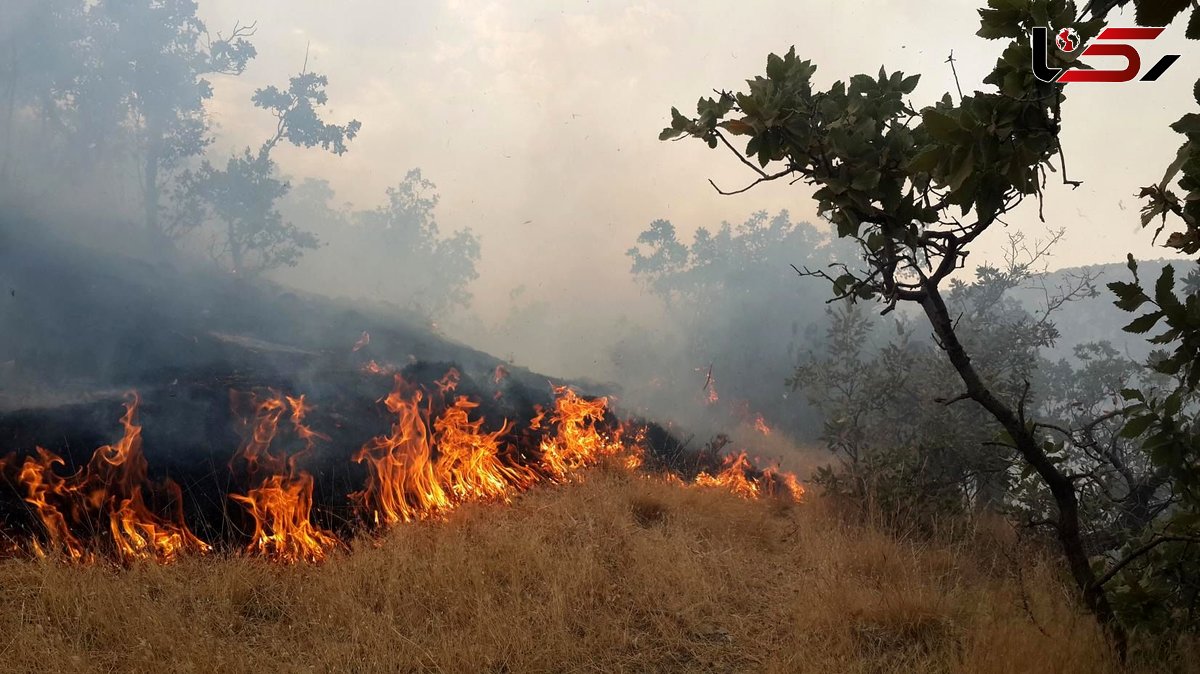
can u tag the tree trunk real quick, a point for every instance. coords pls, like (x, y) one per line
(1069, 535)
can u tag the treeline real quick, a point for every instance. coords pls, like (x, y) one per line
(104, 108)
(1096, 458)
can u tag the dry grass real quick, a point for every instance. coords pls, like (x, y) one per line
(619, 573)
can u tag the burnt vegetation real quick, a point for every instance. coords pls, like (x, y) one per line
(993, 463)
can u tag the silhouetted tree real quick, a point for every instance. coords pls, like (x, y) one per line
(901, 184)
(396, 252)
(243, 195)
(728, 295)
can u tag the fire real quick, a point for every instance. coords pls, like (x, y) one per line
(498, 377)
(760, 425)
(470, 462)
(733, 476)
(578, 442)
(439, 453)
(41, 482)
(281, 504)
(110, 488)
(426, 466)
(373, 367)
(710, 387)
(737, 474)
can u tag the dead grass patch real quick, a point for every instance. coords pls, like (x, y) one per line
(614, 573)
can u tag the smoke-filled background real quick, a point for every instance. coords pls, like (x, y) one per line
(492, 171)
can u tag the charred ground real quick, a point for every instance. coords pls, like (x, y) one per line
(95, 326)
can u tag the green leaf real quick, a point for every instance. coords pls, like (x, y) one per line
(1164, 288)
(1180, 157)
(678, 121)
(909, 84)
(1133, 394)
(1172, 404)
(940, 125)
(1189, 123)
(1130, 296)
(962, 171)
(1159, 12)
(998, 23)
(865, 181)
(1137, 425)
(738, 127)
(1143, 324)
(1193, 32)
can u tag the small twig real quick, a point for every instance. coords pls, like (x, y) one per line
(951, 401)
(1020, 573)
(954, 70)
(1062, 162)
(1138, 552)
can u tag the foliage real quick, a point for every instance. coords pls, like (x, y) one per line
(297, 118)
(901, 184)
(253, 237)
(124, 77)
(1154, 580)
(903, 444)
(396, 251)
(726, 293)
(896, 448)
(242, 196)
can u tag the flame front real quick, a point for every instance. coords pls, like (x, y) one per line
(111, 488)
(281, 504)
(436, 456)
(426, 467)
(577, 441)
(422, 468)
(737, 474)
(760, 425)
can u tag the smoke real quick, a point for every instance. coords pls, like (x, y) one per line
(533, 128)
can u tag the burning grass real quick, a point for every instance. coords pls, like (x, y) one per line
(614, 572)
(437, 457)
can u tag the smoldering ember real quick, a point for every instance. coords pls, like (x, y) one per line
(396, 336)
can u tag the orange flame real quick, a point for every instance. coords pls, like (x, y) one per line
(428, 464)
(760, 425)
(281, 505)
(577, 442)
(426, 467)
(736, 476)
(110, 487)
(373, 367)
(423, 468)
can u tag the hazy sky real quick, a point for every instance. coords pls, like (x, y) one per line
(539, 120)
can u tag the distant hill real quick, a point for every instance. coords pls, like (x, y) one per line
(1095, 319)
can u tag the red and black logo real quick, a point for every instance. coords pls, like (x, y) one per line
(1110, 42)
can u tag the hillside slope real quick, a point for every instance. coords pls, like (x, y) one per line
(615, 572)
(1095, 318)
